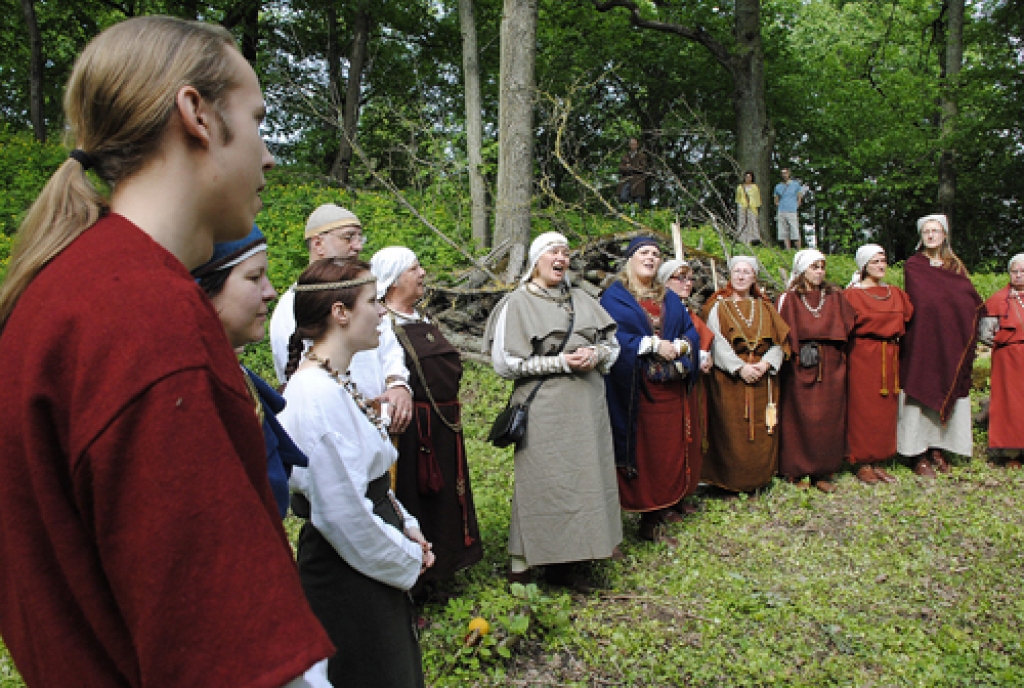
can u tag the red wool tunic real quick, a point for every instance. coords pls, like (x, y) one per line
(663, 432)
(140, 544)
(1006, 423)
(873, 386)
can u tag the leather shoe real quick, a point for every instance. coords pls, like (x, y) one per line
(617, 554)
(941, 465)
(799, 483)
(884, 475)
(522, 577)
(825, 486)
(1014, 463)
(671, 516)
(867, 475)
(924, 469)
(657, 533)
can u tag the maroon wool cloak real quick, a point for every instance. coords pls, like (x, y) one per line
(938, 350)
(812, 405)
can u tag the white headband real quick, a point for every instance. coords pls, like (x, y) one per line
(863, 256)
(1019, 258)
(803, 260)
(938, 217)
(749, 260)
(669, 268)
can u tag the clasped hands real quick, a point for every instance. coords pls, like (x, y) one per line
(416, 536)
(752, 372)
(582, 360)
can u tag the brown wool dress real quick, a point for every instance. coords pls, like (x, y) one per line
(872, 402)
(812, 410)
(432, 480)
(742, 451)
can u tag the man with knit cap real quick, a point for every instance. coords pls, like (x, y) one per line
(336, 232)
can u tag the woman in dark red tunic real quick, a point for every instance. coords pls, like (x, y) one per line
(677, 276)
(881, 314)
(432, 477)
(646, 391)
(812, 409)
(1004, 329)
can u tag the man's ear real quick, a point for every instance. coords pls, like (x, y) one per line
(196, 115)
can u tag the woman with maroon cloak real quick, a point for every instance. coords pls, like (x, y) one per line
(677, 276)
(646, 390)
(432, 474)
(881, 313)
(812, 410)
(938, 352)
(1003, 330)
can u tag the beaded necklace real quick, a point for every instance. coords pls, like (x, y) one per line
(346, 383)
(888, 291)
(754, 311)
(1020, 303)
(816, 312)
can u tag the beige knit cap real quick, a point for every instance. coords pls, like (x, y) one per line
(328, 217)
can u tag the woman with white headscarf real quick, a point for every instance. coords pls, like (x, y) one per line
(555, 342)
(881, 314)
(938, 353)
(749, 348)
(646, 389)
(812, 411)
(432, 476)
(1003, 330)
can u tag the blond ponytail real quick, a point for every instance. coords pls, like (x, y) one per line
(119, 99)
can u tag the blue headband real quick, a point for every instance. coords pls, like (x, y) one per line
(639, 242)
(230, 253)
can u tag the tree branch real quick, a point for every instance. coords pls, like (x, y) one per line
(697, 35)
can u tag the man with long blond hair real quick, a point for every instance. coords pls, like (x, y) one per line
(139, 539)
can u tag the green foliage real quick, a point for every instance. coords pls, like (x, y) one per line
(25, 167)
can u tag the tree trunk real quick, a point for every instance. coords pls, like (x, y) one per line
(515, 129)
(251, 30)
(755, 137)
(36, 112)
(951, 69)
(353, 93)
(474, 125)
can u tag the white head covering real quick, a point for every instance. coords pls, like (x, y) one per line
(1017, 258)
(938, 217)
(539, 246)
(863, 256)
(669, 268)
(388, 264)
(803, 260)
(749, 260)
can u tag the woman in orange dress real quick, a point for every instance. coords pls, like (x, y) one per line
(873, 385)
(1003, 329)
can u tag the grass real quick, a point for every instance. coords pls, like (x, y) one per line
(916, 584)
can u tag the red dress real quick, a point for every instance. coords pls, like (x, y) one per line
(1006, 422)
(872, 376)
(665, 473)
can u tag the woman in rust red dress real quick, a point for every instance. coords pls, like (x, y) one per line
(646, 391)
(881, 314)
(1003, 329)
(677, 276)
(749, 348)
(812, 410)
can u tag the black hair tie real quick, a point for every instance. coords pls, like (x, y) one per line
(84, 159)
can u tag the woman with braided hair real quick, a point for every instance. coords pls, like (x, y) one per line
(360, 551)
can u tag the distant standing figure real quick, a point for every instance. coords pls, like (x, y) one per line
(788, 195)
(748, 201)
(1005, 331)
(812, 418)
(882, 312)
(633, 170)
(938, 352)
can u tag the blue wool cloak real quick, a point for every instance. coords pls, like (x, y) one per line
(282, 453)
(626, 380)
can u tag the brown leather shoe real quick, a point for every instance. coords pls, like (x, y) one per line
(657, 533)
(671, 516)
(924, 469)
(867, 475)
(884, 475)
(799, 483)
(825, 486)
(1014, 463)
(617, 554)
(941, 465)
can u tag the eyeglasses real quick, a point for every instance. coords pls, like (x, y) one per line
(681, 278)
(355, 237)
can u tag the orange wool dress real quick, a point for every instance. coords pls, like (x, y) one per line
(872, 376)
(1006, 423)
